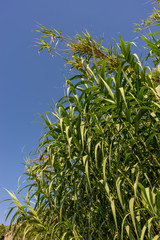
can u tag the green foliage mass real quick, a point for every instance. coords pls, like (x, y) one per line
(98, 172)
(2, 231)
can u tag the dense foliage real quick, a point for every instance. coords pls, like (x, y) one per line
(2, 231)
(98, 172)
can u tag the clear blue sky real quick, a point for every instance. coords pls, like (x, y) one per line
(28, 82)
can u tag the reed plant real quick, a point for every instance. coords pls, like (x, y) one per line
(98, 172)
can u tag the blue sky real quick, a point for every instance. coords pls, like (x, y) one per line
(29, 82)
